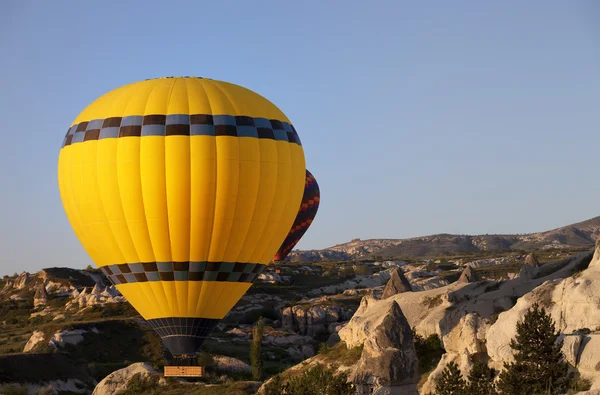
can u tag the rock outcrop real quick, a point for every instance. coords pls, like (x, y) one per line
(41, 296)
(119, 379)
(532, 260)
(61, 338)
(36, 338)
(468, 276)
(388, 361)
(574, 304)
(396, 284)
(22, 280)
(310, 318)
(228, 364)
(98, 295)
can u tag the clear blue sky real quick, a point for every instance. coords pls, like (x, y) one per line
(416, 117)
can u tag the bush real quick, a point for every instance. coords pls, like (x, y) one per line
(429, 351)
(325, 379)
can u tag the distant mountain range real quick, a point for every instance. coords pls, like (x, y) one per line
(576, 235)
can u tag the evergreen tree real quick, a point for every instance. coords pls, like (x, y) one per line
(451, 381)
(539, 366)
(481, 380)
(255, 350)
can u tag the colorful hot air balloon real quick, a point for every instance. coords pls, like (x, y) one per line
(181, 190)
(306, 214)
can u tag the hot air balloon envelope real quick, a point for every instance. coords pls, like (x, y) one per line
(181, 190)
(304, 218)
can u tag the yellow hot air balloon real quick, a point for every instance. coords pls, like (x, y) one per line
(181, 189)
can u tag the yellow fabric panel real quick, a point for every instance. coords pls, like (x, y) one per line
(264, 201)
(281, 189)
(90, 241)
(205, 299)
(177, 169)
(130, 188)
(154, 195)
(162, 308)
(203, 176)
(208, 97)
(296, 191)
(65, 170)
(93, 212)
(108, 193)
(228, 172)
(249, 179)
(157, 101)
(278, 227)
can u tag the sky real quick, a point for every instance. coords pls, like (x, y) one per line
(416, 118)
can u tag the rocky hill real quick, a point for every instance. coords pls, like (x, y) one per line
(575, 235)
(80, 335)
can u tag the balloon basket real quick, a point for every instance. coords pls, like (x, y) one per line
(184, 367)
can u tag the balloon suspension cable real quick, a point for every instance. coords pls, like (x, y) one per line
(185, 360)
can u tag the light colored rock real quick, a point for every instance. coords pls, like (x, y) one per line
(589, 355)
(22, 280)
(369, 281)
(272, 278)
(468, 337)
(529, 271)
(389, 360)
(60, 339)
(59, 317)
(573, 303)
(119, 379)
(97, 290)
(532, 260)
(570, 348)
(36, 338)
(468, 276)
(396, 284)
(41, 296)
(238, 332)
(228, 364)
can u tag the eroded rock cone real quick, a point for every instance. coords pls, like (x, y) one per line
(397, 284)
(41, 296)
(468, 276)
(389, 359)
(531, 260)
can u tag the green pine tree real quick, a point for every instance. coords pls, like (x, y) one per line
(481, 380)
(255, 350)
(451, 381)
(539, 366)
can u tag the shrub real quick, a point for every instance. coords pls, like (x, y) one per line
(325, 379)
(429, 351)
